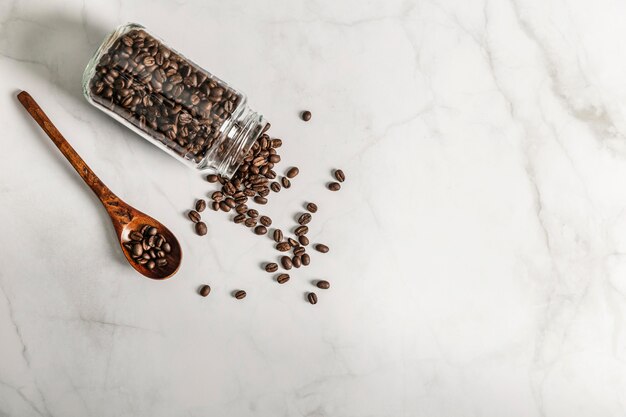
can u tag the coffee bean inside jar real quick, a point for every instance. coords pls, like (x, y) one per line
(171, 101)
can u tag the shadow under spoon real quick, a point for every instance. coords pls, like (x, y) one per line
(125, 218)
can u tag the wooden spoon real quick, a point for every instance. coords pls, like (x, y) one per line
(125, 218)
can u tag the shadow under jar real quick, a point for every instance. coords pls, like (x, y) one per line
(170, 101)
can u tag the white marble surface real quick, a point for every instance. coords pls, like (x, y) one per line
(478, 260)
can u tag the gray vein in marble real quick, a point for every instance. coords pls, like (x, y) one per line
(19, 392)
(597, 118)
(24, 351)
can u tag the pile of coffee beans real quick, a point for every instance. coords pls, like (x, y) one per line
(148, 247)
(254, 181)
(162, 93)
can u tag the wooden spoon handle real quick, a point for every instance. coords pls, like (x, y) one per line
(116, 207)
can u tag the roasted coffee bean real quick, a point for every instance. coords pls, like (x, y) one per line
(265, 221)
(321, 248)
(200, 205)
(275, 186)
(306, 259)
(296, 261)
(250, 222)
(161, 262)
(283, 246)
(334, 186)
(286, 262)
(217, 196)
(339, 175)
(292, 172)
(253, 213)
(302, 230)
(134, 235)
(166, 247)
(260, 200)
(204, 290)
(231, 202)
(150, 264)
(278, 235)
(292, 242)
(323, 284)
(215, 206)
(260, 230)
(241, 208)
(211, 178)
(152, 231)
(271, 267)
(194, 216)
(137, 249)
(285, 181)
(312, 297)
(240, 218)
(282, 278)
(305, 218)
(304, 241)
(312, 207)
(299, 250)
(241, 294)
(306, 115)
(201, 228)
(224, 206)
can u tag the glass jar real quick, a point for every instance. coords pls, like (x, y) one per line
(194, 116)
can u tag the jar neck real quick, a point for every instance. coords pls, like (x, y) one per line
(236, 138)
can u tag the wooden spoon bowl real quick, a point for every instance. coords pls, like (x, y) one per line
(124, 217)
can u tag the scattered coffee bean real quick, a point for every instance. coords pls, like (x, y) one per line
(250, 222)
(282, 278)
(283, 246)
(306, 259)
(286, 262)
(292, 172)
(322, 284)
(260, 200)
(194, 216)
(292, 242)
(304, 241)
(230, 202)
(200, 206)
(201, 228)
(205, 290)
(321, 248)
(312, 297)
(275, 186)
(302, 230)
(241, 208)
(312, 207)
(286, 182)
(278, 235)
(305, 218)
(240, 218)
(334, 186)
(253, 213)
(296, 261)
(241, 294)
(299, 251)
(215, 206)
(306, 115)
(271, 267)
(265, 221)
(211, 178)
(339, 175)
(260, 230)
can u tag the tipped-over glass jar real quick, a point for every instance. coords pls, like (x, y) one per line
(170, 101)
